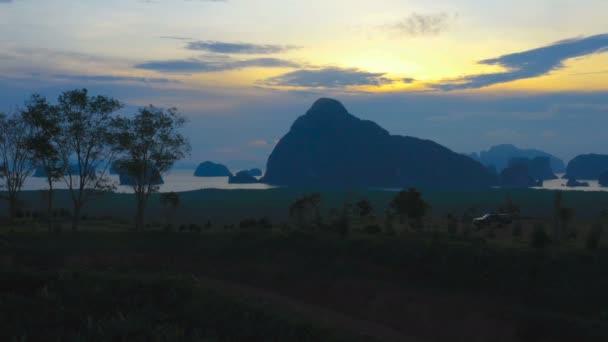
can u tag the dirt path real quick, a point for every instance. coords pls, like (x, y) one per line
(328, 317)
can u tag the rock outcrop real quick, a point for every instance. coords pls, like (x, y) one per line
(517, 175)
(243, 177)
(500, 155)
(587, 166)
(573, 183)
(604, 179)
(329, 147)
(210, 169)
(539, 168)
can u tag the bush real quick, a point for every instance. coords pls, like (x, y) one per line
(372, 229)
(540, 238)
(517, 229)
(183, 227)
(248, 223)
(194, 228)
(594, 237)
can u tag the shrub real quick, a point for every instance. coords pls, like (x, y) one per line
(168, 228)
(194, 228)
(208, 225)
(372, 229)
(517, 229)
(248, 223)
(183, 227)
(594, 237)
(540, 238)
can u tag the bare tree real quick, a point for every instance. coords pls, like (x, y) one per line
(85, 123)
(148, 145)
(16, 159)
(43, 119)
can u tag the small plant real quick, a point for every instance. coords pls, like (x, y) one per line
(594, 237)
(517, 229)
(540, 238)
(372, 229)
(183, 227)
(452, 224)
(208, 225)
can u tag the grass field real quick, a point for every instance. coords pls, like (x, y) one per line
(299, 285)
(231, 206)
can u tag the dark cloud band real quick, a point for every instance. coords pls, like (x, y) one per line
(531, 63)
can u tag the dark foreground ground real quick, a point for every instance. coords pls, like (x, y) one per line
(289, 285)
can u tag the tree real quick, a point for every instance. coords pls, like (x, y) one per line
(16, 159)
(148, 145)
(43, 118)
(364, 210)
(408, 204)
(561, 215)
(306, 210)
(509, 207)
(85, 123)
(169, 202)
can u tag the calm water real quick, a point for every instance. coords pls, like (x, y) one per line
(560, 184)
(183, 180)
(178, 181)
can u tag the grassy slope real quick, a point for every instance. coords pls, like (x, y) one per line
(229, 206)
(429, 286)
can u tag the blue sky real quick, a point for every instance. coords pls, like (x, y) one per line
(465, 73)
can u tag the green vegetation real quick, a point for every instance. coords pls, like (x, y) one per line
(84, 306)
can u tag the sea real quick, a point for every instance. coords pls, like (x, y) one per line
(184, 180)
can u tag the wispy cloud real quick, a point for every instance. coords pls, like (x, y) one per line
(238, 48)
(529, 64)
(110, 79)
(5, 1)
(332, 77)
(214, 64)
(423, 24)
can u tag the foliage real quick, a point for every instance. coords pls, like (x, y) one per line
(410, 205)
(16, 158)
(594, 236)
(71, 306)
(85, 128)
(540, 238)
(147, 145)
(43, 143)
(306, 212)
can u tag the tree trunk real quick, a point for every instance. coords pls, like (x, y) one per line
(12, 206)
(139, 215)
(49, 209)
(76, 217)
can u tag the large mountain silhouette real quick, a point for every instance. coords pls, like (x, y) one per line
(328, 147)
(587, 166)
(499, 156)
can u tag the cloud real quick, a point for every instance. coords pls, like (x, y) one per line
(5, 1)
(109, 79)
(237, 48)
(214, 64)
(332, 77)
(175, 37)
(531, 63)
(408, 80)
(259, 143)
(423, 24)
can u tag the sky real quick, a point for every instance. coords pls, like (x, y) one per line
(468, 74)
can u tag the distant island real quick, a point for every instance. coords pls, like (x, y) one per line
(211, 169)
(587, 166)
(73, 170)
(254, 172)
(499, 156)
(243, 177)
(603, 180)
(329, 147)
(156, 178)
